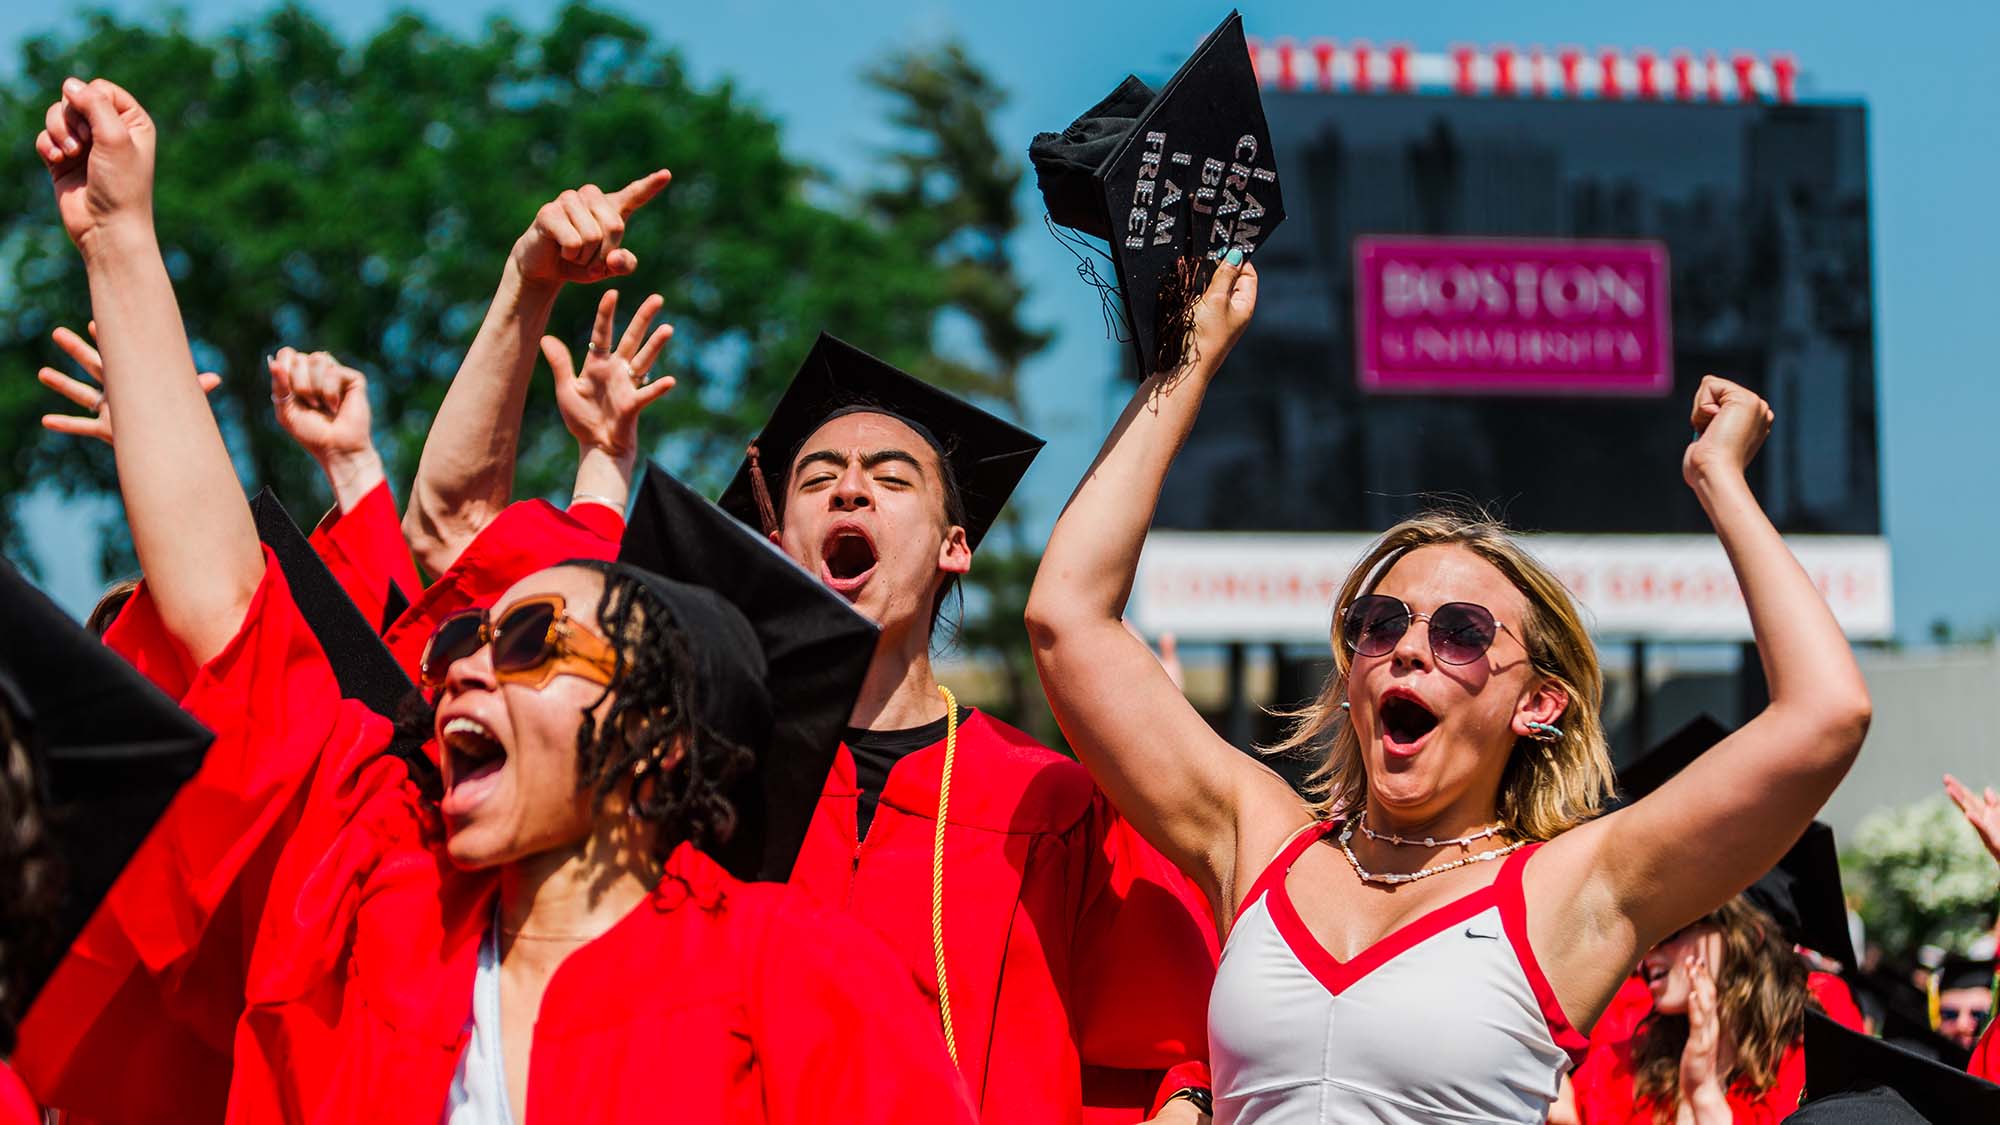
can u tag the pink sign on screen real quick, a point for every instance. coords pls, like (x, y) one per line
(1505, 316)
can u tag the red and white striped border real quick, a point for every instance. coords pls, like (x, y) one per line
(1360, 67)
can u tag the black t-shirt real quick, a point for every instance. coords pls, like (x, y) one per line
(876, 752)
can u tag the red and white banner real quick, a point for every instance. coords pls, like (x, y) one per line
(1357, 66)
(1226, 586)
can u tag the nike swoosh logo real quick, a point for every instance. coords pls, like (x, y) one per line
(1474, 931)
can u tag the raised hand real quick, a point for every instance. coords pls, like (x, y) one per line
(97, 424)
(1223, 311)
(98, 143)
(1730, 425)
(1982, 811)
(1703, 1090)
(576, 236)
(323, 405)
(600, 405)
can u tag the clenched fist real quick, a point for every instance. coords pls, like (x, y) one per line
(98, 144)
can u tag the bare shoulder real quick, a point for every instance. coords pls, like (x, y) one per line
(1577, 928)
(1269, 812)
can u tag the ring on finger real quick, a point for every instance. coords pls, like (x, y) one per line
(596, 348)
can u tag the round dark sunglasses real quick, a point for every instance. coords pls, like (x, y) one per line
(1460, 632)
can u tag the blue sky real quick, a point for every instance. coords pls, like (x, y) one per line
(1929, 82)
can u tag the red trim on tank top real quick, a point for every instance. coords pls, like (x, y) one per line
(1282, 862)
(1514, 920)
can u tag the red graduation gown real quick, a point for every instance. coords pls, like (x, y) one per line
(16, 1107)
(364, 549)
(1986, 1055)
(1079, 960)
(1603, 1082)
(525, 537)
(355, 944)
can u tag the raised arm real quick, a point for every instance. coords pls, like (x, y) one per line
(1672, 857)
(600, 404)
(1179, 783)
(465, 476)
(191, 527)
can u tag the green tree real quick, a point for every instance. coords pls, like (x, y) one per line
(361, 198)
(954, 195)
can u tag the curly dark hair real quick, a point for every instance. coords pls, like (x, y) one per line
(651, 747)
(30, 878)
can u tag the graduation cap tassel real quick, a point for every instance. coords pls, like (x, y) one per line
(767, 512)
(1179, 291)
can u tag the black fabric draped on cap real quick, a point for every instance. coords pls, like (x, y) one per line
(1852, 1077)
(988, 455)
(763, 626)
(1803, 892)
(363, 666)
(109, 751)
(1171, 181)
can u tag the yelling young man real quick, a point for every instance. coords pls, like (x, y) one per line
(1070, 962)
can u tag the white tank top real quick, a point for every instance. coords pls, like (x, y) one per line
(1447, 1019)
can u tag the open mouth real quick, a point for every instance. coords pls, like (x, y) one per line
(1405, 722)
(847, 559)
(474, 758)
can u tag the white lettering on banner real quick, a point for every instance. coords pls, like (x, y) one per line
(1567, 291)
(1277, 587)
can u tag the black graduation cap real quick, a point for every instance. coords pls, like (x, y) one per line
(988, 455)
(1171, 181)
(813, 649)
(1963, 972)
(1803, 891)
(1855, 1077)
(1901, 1014)
(361, 663)
(109, 751)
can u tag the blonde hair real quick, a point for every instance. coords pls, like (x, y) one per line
(1547, 788)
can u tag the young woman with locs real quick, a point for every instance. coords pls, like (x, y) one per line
(1432, 937)
(327, 938)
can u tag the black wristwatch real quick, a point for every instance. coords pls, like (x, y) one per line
(1202, 1099)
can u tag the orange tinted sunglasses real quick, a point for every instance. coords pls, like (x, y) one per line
(533, 643)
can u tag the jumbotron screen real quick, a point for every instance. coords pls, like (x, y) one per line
(1511, 302)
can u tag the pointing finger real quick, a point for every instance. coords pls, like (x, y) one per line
(641, 191)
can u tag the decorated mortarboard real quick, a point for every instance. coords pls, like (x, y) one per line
(362, 665)
(803, 645)
(1171, 181)
(108, 750)
(988, 455)
(1852, 1077)
(1803, 892)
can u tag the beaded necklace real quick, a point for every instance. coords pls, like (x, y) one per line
(1429, 841)
(1367, 876)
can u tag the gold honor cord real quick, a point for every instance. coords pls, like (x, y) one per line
(937, 869)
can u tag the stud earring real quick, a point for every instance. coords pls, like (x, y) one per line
(1343, 705)
(1544, 732)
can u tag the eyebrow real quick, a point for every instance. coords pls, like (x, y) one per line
(868, 460)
